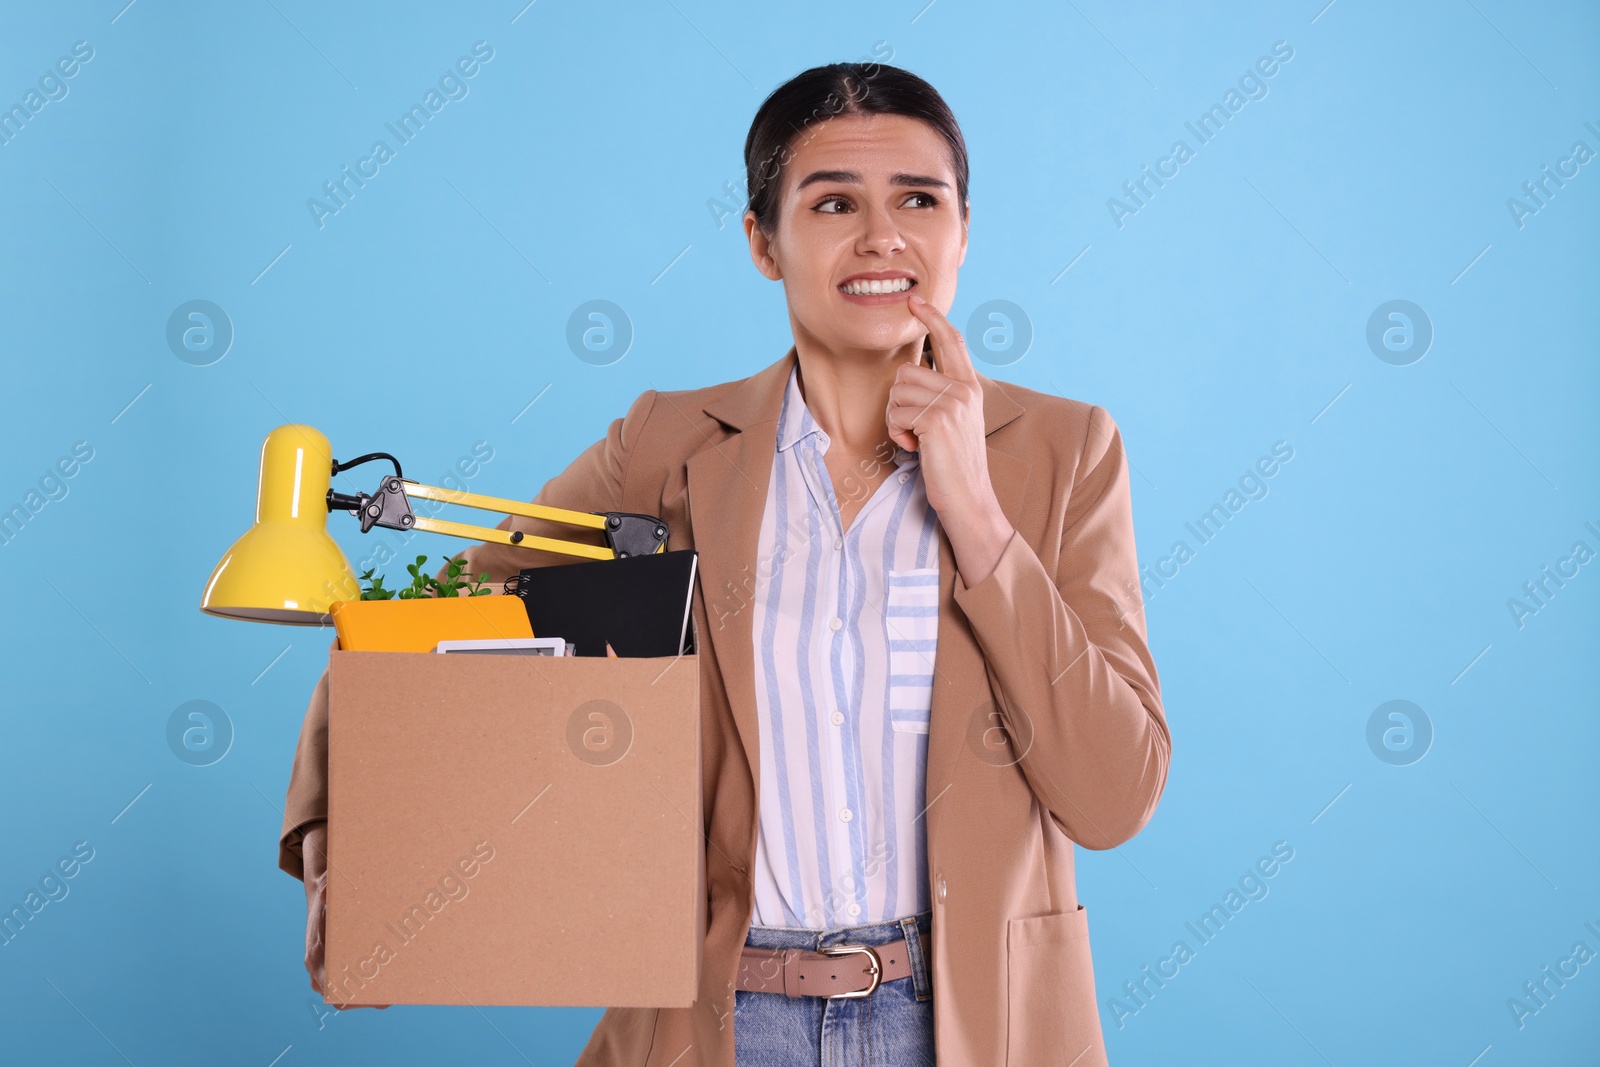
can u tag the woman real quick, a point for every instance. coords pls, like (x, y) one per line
(921, 635)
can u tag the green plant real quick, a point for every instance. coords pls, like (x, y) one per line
(424, 584)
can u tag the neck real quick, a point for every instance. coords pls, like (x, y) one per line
(847, 390)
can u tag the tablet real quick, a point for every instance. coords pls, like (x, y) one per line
(511, 646)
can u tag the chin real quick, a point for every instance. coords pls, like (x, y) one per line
(883, 328)
(878, 339)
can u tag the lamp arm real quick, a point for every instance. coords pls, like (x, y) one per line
(626, 533)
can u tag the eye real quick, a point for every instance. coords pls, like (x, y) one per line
(929, 197)
(823, 208)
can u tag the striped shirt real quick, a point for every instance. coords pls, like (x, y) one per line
(844, 629)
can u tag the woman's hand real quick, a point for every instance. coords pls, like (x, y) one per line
(939, 415)
(314, 855)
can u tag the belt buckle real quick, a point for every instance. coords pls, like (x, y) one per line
(876, 971)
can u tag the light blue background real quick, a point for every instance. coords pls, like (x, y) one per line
(1228, 314)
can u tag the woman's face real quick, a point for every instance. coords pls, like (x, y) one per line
(863, 197)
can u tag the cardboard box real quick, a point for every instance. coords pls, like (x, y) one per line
(514, 830)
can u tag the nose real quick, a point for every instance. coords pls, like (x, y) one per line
(878, 232)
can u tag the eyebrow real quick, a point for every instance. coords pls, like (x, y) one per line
(851, 177)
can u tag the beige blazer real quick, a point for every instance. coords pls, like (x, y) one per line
(1047, 726)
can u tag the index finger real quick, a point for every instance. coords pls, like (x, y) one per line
(949, 347)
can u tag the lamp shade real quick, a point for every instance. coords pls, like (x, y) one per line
(285, 569)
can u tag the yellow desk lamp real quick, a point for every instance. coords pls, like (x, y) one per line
(287, 569)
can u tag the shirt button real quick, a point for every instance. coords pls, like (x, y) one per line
(838, 546)
(854, 910)
(903, 478)
(845, 814)
(941, 887)
(838, 717)
(835, 622)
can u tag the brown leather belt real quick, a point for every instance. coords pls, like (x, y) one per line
(835, 971)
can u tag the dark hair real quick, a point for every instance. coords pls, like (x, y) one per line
(826, 92)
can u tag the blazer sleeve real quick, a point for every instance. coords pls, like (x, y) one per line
(595, 481)
(1066, 651)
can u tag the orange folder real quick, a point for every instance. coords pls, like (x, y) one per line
(419, 625)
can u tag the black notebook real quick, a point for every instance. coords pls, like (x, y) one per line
(640, 604)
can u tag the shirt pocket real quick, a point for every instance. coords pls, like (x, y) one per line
(911, 625)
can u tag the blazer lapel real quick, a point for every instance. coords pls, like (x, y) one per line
(727, 495)
(728, 481)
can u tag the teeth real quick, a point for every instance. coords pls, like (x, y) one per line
(864, 288)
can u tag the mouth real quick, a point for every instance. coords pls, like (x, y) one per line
(877, 287)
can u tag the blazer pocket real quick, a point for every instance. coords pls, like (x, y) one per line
(911, 625)
(1051, 1014)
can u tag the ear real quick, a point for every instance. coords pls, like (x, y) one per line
(761, 250)
(964, 224)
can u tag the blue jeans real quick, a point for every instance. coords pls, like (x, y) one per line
(891, 1028)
